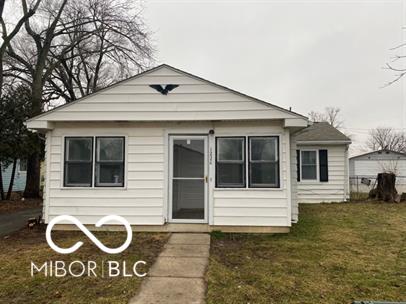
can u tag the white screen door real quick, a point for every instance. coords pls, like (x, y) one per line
(188, 179)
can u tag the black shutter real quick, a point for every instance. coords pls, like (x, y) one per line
(323, 161)
(298, 165)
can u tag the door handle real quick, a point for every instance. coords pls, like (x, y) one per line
(206, 179)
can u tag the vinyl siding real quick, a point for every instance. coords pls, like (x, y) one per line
(371, 168)
(140, 201)
(144, 199)
(194, 99)
(19, 178)
(336, 189)
(256, 207)
(293, 178)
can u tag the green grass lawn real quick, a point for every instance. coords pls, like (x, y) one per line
(17, 252)
(336, 254)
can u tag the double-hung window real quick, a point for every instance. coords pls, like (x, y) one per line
(230, 162)
(309, 164)
(97, 161)
(312, 165)
(258, 163)
(78, 161)
(263, 162)
(110, 161)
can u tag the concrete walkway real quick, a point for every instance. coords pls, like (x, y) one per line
(178, 274)
(15, 221)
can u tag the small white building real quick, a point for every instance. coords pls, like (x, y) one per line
(170, 151)
(323, 174)
(368, 166)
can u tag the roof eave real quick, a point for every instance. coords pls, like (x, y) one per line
(323, 142)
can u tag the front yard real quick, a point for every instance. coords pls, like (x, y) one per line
(336, 254)
(17, 252)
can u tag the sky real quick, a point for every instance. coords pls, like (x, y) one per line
(307, 55)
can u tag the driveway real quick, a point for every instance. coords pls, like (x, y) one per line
(15, 221)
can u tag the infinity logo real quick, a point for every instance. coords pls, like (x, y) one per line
(90, 235)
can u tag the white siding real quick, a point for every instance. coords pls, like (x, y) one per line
(336, 189)
(371, 168)
(194, 99)
(143, 200)
(293, 178)
(255, 207)
(140, 201)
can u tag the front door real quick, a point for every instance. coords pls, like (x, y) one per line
(188, 179)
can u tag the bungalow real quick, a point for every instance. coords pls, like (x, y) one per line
(171, 151)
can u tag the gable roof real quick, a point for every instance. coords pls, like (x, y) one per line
(196, 98)
(321, 132)
(379, 152)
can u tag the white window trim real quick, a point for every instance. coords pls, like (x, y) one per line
(278, 161)
(239, 162)
(94, 135)
(97, 156)
(247, 188)
(317, 179)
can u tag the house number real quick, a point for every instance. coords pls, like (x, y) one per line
(210, 156)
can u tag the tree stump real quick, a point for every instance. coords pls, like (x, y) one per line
(385, 189)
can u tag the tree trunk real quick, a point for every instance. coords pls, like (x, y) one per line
(32, 185)
(33, 176)
(1, 184)
(385, 189)
(13, 173)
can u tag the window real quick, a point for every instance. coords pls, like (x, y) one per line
(23, 165)
(263, 162)
(109, 161)
(230, 162)
(309, 165)
(78, 161)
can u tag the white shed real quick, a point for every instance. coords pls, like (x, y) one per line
(368, 166)
(170, 151)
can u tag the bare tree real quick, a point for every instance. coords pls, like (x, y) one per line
(395, 64)
(330, 115)
(8, 34)
(387, 139)
(71, 48)
(118, 47)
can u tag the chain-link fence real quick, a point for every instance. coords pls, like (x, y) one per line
(360, 185)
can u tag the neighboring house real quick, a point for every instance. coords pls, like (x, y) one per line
(368, 166)
(19, 178)
(323, 173)
(171, 151)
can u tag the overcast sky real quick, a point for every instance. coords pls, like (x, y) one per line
(301, 54)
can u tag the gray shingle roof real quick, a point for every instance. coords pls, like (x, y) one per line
(321, 131)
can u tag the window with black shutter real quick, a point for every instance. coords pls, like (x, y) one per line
(323, 165)
(298, 165)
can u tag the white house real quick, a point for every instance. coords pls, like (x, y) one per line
(323, 173)
(368, 166)
(171, 151)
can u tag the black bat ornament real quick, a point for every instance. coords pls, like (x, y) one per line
(164, 91)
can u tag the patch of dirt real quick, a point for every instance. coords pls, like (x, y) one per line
(10, 206)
